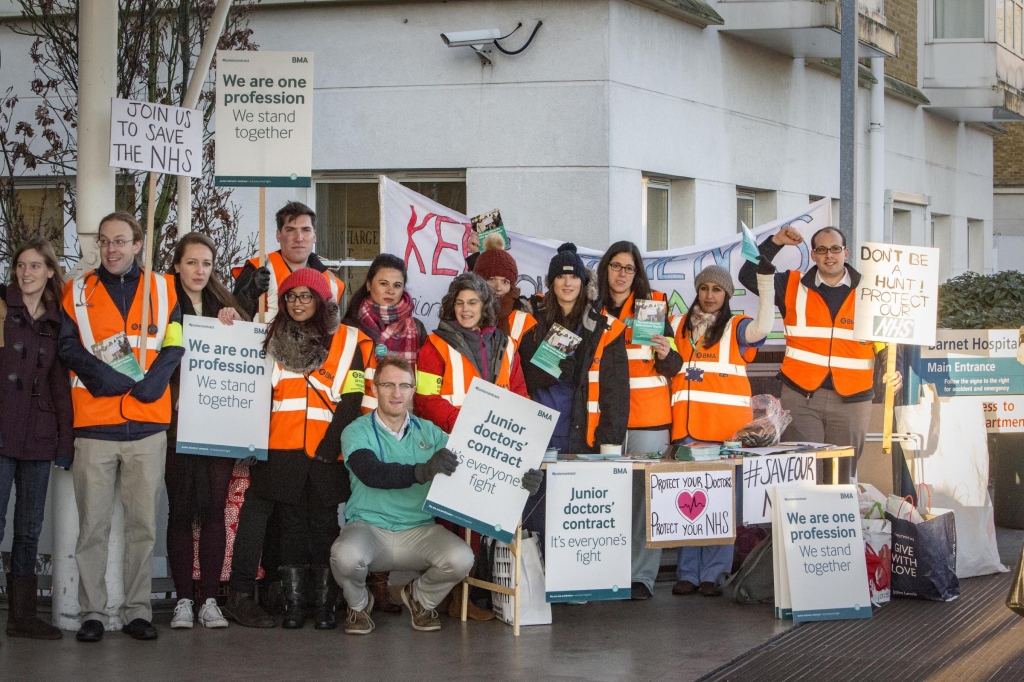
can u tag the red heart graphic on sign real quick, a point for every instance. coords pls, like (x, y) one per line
(692, 505)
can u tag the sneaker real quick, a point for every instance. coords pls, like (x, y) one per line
(210, 615)
(424, 620)
(360, 622)
(183, 616)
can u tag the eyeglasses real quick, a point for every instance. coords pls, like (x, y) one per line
(403, 388)
(628, 269)
(116, 243)
(301, 298)
(822, 250)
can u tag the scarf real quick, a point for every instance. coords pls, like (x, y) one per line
(392, 326)
(297, 346)
(506, 306)
(700, 321)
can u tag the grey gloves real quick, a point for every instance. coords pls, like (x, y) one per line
(443, 461)
(532, 480)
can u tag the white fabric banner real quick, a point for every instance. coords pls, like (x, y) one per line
(432, 239)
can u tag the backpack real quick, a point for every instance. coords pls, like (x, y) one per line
(754, 583)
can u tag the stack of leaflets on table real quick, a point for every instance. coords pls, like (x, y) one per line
(698, 452)
(648, 320)
(487, 224)
(556, 346)
(116, 351)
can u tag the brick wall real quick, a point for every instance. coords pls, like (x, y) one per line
(1008, 157)
(901, 16)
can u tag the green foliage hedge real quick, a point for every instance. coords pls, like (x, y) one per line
(973, 301)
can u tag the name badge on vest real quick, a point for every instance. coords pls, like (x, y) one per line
(151, 329)
(694, 374)
(380, 350)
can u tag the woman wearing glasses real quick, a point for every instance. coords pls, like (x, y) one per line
(317, 391)
(35, 420)
(622, 282)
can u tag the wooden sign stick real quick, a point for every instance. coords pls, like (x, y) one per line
(148, 245)
(263, 246)
(890, 396)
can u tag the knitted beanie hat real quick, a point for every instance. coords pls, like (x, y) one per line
(715, 274)
(566, 262)
(495, 261)
(306, 277)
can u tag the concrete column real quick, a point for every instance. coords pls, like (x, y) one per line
(876, 142)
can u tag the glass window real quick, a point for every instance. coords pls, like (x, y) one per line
(657, 204)
(41, 212)
(1017, 28)
(744, 208)
(959, 19)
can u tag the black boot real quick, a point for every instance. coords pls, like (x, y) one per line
(325, 596)
(21, 616)
(293, 584)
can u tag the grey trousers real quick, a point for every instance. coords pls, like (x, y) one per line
(645, 562)
(94, 473)
(825, 418)
(432, 548)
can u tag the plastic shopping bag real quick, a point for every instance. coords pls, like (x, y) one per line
(877, 540)
(534, 608)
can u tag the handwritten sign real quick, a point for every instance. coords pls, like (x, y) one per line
(691, 503)
(156, 137)
(898, 294)
(761, 474)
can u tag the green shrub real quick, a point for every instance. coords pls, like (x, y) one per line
(973, 301)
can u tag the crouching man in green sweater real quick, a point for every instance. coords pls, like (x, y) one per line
(392, 457)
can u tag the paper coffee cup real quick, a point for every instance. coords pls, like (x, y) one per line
(611, 449)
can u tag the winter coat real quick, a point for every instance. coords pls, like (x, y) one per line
(36, 414)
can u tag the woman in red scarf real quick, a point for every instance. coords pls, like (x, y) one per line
(382, 309)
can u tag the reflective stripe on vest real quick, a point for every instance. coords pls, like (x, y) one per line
(649, 397)
(817, 345)
(459, 372)
(279, 271)
(520, 323)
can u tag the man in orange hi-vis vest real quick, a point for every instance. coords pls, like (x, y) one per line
(827, 375)
(296, 233)
(122, 413)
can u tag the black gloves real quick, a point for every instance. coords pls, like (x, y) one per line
(148, 390)
(765, 267)
(532, 480)
(443, 461)
(568, 367)
(260, 282)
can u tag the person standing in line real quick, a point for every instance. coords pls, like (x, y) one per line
(120, 423)
(827, 375)
(622, 281)
(711, 394)
(318, 388)
(197, 485)
(499, 269)
(36, 421)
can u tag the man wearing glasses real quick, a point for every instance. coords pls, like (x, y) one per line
(827, 375)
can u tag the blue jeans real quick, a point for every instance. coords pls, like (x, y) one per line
(31, 478)
(704, 564)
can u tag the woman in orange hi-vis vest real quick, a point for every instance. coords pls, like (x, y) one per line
(711, 394)
(317, 382)
(622, 281)
(466, 344)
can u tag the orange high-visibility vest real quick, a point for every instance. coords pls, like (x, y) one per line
(717, 406)
(279, 271)
(519, 323)
(302, 410)
(648, 391)
(459, 371)
(369, 351)
(87, 302)
(815, 345)
(614, 330)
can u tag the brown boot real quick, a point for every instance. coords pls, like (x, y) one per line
(244, 610)
(377, 584)
(474, 612)
(21, 617)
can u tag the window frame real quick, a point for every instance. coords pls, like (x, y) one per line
(661, 183)
(751, 194)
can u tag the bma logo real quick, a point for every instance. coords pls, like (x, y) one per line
(892, 327)
(845, 496)
(300, 60)
(619, 470)
(543, 414)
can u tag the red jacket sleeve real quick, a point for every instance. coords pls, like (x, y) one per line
(433, 407)
(516, 380)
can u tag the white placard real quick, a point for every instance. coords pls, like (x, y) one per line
(761, 474)
(897, 298)
(156, 137)
(587, 546)
(821, 553)
(498, 437)
(224, 402)
(264, 119)
(691, 504)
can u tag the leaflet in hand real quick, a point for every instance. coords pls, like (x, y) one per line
(648, 320)
(487, 224)
(116, 351)
(556, 346)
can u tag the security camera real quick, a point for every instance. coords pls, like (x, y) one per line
(471, 38)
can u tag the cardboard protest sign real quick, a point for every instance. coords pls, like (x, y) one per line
(691, 504)
(820, 564)
(761, 474)
(498, 437)
(264, 119)
(588, 517)
(224, 404)
(156, 137)
(898, 294)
